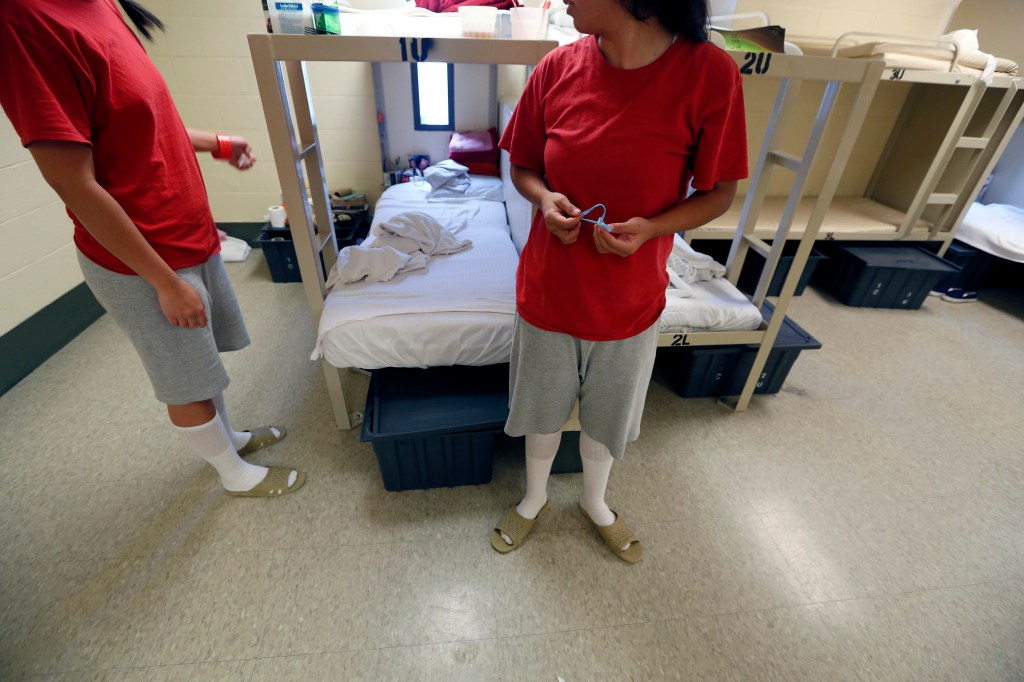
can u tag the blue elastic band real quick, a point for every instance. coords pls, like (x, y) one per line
(600, 221)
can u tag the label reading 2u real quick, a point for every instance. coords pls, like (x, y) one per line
(757, 62)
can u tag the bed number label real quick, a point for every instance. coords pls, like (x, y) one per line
(420, 48)
(680, 340)
(757, 62)
(897, 74)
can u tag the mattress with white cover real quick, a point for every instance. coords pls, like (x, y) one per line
(997, 229)
(460, 309)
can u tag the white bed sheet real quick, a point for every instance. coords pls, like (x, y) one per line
(459, 310)
(716, 306)
(997, 229)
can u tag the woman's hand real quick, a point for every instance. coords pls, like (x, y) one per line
(182, 305)
(242, 157)
(561, 217)
(625, 238)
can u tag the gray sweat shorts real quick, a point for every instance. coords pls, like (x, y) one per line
(183, 364)
(549, 371)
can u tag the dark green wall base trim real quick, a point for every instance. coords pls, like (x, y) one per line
(33, 341)
(250, 232)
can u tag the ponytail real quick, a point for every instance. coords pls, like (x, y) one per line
(141, 17)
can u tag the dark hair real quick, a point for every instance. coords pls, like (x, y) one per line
(141, 17)
(687, 18)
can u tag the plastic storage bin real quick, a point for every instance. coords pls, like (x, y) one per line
(715, 371)
(279, 251)
(753, 264)
(435, 427)
(884, 276)
(974, 266)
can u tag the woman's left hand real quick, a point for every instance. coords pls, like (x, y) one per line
(242, 157)
(625, 238)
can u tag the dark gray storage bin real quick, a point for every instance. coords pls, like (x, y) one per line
(884, 276)
(753, 264)
(435, 427)
(279, 252)
(716, 371)
(974, 267)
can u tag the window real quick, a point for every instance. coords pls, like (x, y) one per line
(433, 96)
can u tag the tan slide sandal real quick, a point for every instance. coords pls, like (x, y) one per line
(274, 484)
(616, 536)
(514, 526)
(262, 437)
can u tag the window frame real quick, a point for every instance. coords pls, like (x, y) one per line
(416, 101)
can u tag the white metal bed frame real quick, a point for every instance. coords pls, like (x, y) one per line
(297, 154)
(961, 182)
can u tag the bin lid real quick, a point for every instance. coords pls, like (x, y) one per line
(414, 403)
(900, 258)
(791, 335)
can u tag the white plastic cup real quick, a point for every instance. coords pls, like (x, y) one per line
(477, 21)
(276, 215)
(529, 23)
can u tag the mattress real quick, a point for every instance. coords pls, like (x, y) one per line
(997, 229)
(459, 310)
(906, 56)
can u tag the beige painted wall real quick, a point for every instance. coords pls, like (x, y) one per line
(832, 18)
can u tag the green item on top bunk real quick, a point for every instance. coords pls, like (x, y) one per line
(762, 39)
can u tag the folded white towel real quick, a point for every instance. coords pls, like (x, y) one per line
(234, 250)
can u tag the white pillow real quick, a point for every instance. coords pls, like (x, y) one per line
(483, 187)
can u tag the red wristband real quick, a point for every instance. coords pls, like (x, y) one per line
(223, 150)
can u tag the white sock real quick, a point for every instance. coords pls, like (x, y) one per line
(211, 442)
(238, 438)
(597, 464)
(540, 454)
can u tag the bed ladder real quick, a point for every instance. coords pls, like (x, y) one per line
(770, 157)
(955, 139)
(1000, 129)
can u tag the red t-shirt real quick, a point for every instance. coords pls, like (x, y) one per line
(74, 71)
(631, 139)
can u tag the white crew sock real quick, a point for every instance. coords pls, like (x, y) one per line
(238, 438)
(211, 442)
(540, 454)
(597, 464)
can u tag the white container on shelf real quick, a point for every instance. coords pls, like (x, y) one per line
(478, 21)
(290, 16)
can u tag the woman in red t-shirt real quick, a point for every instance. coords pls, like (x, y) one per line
(627, 121)
(98, 120)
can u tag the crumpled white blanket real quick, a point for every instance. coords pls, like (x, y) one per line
(686, 266)
(403, 243)
(447, 175)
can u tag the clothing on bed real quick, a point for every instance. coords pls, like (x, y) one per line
(588, 127)
(447, 175)
(402, 244)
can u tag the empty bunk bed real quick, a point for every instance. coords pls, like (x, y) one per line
(936, 130)
(298, 158)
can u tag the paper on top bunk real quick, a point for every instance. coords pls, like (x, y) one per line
(997, 229)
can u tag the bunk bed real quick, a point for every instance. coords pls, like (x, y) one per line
(297, 153)
(948, 129)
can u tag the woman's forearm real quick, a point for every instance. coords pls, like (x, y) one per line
(202, 140)
(530, 184)
(68, 169)
(699, 209)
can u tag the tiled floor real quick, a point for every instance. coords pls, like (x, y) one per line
(865, 523)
